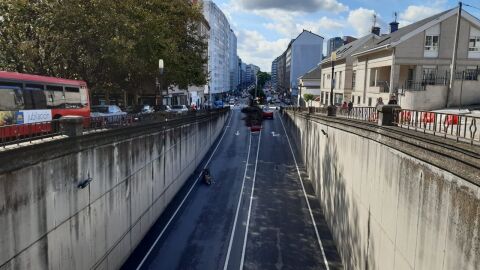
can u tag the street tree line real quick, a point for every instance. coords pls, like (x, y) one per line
(113, 45)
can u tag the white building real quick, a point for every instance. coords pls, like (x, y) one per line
(233, 61)
(219, 50)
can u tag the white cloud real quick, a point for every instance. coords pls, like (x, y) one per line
(309, 6)
(361, 20)
(416, 13)
(254, 48)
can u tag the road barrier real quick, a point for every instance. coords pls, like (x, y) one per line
(17, 135)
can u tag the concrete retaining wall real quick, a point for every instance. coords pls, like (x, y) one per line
(392, 201)
(47, 222)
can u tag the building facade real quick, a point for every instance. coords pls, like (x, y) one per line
(413, 65)
(274, 73)
(333, 44)
(344, 78)
(219, 49)
(233, 61)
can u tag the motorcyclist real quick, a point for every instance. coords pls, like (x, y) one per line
(207, 177)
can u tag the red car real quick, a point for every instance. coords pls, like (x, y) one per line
(267, 114)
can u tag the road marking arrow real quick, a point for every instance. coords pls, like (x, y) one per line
(237, 133)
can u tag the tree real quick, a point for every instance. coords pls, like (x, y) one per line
(113, 45)
(262, 79)
(308, 98)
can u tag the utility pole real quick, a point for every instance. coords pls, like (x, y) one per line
(256, 86)
(332, 110)
(159, 80)
(453, 66)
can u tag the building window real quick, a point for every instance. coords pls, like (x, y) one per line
(431, 43)
(474, 44)
(358, 100)
(370, 102)
(323, 81)
(354, 79)
(335, 81)
(321, 95)
(340, 80)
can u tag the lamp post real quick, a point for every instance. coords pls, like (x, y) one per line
(332, 110)
(159, 78)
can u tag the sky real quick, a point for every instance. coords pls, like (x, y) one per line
(265, 27)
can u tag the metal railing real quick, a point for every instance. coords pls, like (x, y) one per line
(464, 128)
(16, 134)
(19, 135)
(368, 114)
(459, 127)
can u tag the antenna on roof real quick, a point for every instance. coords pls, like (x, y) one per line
(374, 19)
(395, 15)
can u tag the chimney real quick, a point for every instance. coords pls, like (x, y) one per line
(376, 30)
(393, 27)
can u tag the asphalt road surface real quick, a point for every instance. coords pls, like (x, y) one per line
(260, 213)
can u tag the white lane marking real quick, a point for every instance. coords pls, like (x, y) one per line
(184, 199)
(306, 198)
(250, 206)
(238, 208)
(237, 133)
(275, 134)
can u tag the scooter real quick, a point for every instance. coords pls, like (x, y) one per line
(207, 177)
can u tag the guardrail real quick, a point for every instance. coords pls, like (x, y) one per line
(369, 114)
(459, 127)
(15, 135)
(465, 128)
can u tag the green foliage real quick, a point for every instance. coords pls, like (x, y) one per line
(263, 78)
(110, 44)
(308, 98)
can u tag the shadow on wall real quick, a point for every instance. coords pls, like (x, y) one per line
(327, 176)
(342, 214)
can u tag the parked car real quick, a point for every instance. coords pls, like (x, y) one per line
(179, 109)
(106, 110)
(162, 108)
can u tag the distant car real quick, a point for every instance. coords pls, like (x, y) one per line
(267, 113)
(162, 108)
(179, 109)
(106, 110)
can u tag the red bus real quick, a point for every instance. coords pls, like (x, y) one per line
(29, 99)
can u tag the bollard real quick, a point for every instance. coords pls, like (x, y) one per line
(332, 110)
(72, 126)
(386, 114)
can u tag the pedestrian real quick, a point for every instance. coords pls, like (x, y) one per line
(393, 100)
(379, 102)
(350, 107)
(344, 107)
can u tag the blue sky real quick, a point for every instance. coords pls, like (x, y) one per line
(264, 27)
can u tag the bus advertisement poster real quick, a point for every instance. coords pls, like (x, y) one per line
(6, 118)
(33, 116)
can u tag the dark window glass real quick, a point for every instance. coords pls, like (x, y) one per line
(100, 109)
(57, 96)
(11, 99)
(35, 98)
(28, 99)
(73, 98)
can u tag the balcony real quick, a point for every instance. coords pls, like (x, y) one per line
(379, 87)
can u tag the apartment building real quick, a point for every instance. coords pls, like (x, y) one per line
(221, 50)
(302, 54)
(413, 63)
(344, 77)
(310, 83)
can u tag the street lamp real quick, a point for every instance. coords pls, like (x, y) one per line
(332, 110)
(160, 73)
